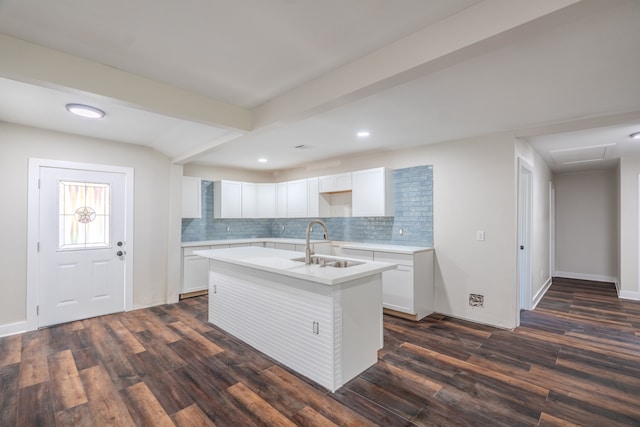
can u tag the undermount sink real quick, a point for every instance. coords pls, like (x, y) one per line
(324, 261)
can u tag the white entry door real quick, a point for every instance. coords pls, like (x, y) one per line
(82, 248)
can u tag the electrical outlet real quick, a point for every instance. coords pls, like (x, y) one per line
(476, 300)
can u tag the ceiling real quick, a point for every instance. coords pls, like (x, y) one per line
(224, 83)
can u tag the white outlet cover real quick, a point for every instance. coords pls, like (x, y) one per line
(480, 235)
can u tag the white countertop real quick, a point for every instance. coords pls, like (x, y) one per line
(250, 240)
(279, 262)
(398, 249)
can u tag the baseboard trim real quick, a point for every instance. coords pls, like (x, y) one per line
(635, 296)
(581, 276)
(13, 328)
(538, 296)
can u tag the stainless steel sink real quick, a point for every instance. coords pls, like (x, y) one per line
(324, 261)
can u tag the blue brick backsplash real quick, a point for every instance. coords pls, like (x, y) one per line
(413, 213)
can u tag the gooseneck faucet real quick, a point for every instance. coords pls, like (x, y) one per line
(307, 252)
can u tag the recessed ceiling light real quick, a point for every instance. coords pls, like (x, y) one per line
(635, 135)
(363, 134)
(262, 160)
(86, 111)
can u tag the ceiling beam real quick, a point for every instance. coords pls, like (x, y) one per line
(31, 63)
(406, 59)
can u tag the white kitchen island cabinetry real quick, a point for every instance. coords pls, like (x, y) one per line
(323, 322)
(407, 291)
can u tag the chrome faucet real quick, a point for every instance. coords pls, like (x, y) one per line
(308, 252)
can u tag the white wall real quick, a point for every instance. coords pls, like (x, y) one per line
(629, 219)
(474, 189)
(587, 225)
(540, 235)
(152, 208)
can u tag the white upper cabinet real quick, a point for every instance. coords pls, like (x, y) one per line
(297, 199)
(266, 200)
(281, 200)
(249, 200)
(372, 192)
(191, 197)
(227, 199)
(335, 183)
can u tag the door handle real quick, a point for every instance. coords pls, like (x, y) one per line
(119, 253)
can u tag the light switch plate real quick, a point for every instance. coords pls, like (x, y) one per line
(480, 235)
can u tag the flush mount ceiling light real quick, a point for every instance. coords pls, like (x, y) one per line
(635, 135)
(86, 111)
(363, 134)
(262, 160)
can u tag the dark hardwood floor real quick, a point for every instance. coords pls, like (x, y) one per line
(575, 360)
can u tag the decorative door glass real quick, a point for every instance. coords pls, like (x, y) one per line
(84, 215)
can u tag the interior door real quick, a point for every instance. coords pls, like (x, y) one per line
(525, 215)
(82, 252)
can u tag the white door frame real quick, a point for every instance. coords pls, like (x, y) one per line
(524, 236)
(552, 229)
(33, 228)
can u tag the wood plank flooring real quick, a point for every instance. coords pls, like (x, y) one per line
(575, 360)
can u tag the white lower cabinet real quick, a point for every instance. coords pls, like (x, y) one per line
(409, 288)
(397, 289)
(195, 269)
(195, 276)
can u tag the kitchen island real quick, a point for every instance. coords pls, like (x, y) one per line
(323, 322)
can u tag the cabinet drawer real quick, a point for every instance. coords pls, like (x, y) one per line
(357, 253)
(394, 258)
(191, 249)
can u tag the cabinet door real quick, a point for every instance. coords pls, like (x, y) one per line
(397, 289)
(228, 199)
(191, 197)
(313, 196)
(372, 193)
(249, 200)
(266, 200)
(297, 199)
(342, 182)
(281, 200)
(326, 184)
(195, 274)
(335, 183)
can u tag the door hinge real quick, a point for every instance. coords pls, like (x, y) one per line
(38, 247)
(215, 289)
(37, 310)
(316, 328)
(38, 183)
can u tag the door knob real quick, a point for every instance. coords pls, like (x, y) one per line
(119, 243)
(119, 253)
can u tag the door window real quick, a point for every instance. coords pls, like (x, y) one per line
(84, 215)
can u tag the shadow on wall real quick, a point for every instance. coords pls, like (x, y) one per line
(413, 213)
